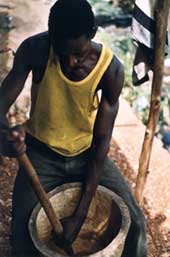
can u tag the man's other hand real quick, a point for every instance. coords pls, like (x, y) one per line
(12, 141)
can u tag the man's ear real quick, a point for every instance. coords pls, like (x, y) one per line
(93, 32)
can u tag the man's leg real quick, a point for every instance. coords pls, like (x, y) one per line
(135, 245)
(24, 200)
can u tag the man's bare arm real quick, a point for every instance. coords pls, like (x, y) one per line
(9, 90)
(112, 86)
(14, 82)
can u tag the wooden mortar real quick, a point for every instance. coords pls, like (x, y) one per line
(103, 233)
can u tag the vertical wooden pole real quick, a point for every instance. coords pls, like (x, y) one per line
(161, 16)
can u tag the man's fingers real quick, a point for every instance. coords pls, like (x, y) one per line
(15, 141)
(15, 135)
(21, 148)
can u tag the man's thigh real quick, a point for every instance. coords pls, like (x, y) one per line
(136, 243)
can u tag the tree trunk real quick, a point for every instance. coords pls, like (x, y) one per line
(161, 17)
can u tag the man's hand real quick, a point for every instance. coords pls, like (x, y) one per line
(12, 141)
(71, 226)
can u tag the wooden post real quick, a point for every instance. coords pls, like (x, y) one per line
(161, 16)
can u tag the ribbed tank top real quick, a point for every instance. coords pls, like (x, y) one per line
(65, 110)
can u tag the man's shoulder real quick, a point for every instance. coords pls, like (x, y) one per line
(113, 79)
(111, 74)
(37, 38)
(114, 67)
(35, 49)
(36, 42)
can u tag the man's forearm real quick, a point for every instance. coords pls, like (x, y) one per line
(94, 172)
(3, 119)
(89, 189)
(9, 91)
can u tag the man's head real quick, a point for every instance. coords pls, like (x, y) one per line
(70, 20)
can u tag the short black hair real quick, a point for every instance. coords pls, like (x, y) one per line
(70, 19)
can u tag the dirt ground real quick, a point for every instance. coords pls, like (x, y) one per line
(158, 246)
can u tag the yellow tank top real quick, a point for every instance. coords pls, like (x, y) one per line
(65, 110)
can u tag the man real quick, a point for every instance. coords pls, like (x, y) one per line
(66, 140)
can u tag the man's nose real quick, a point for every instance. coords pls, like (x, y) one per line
(72, 61)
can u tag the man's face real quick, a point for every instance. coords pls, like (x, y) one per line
(73, 52)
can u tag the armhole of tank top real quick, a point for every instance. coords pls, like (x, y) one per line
(99, 80)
